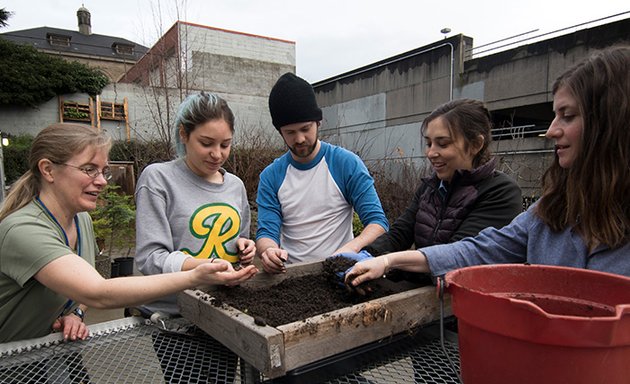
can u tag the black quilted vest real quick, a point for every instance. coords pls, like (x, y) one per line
(437, 219)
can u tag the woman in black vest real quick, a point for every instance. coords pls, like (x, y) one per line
(465, 193)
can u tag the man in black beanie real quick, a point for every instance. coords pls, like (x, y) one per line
(307, 197)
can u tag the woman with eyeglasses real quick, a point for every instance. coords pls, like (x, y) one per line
(48, 247)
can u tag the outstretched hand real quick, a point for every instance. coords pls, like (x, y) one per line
(356, 257)
(221, 272)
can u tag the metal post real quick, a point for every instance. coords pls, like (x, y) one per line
(2, 175)
(249, 374)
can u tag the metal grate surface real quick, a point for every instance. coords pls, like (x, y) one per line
(134, 351)
(424, 363)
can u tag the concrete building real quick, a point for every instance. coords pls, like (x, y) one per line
(240, 67)
(113, 56)
(377, 110)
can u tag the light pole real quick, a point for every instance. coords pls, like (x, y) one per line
(3, 143)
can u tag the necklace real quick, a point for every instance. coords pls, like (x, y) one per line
(44, 208)
(63, 232)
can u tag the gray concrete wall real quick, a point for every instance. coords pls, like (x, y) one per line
(251, 113)
(377, 110)
(25, 120)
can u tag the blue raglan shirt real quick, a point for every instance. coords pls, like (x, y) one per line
(307, 208)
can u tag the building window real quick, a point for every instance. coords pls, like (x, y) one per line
(123, 49)
(59, 40)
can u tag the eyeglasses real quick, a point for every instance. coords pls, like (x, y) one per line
(91, 171)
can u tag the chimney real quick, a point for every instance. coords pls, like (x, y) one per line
(85, 27)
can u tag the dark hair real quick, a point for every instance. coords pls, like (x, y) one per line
(592, 194)
(57, 143)
(197, 109)
(469, 119)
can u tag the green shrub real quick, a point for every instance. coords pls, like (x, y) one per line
(16, 157)
(357, 225)
(114, 221)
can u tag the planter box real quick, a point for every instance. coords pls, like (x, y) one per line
(277, 350)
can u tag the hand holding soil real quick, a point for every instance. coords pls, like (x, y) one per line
(273, 260)
(366, 270)
(246, 250)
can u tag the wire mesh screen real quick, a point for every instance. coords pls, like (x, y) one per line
(412, 364)
(144, 353)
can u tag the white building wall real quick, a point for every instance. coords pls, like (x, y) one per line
(235, 44)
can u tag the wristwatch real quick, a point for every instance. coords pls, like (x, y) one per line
(79, 313)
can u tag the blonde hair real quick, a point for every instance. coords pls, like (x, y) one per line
(57, 143)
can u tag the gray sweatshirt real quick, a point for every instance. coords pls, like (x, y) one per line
(181, 215)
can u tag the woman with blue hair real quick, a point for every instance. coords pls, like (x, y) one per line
(191, 211)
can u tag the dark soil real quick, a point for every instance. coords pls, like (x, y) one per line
(298, 298)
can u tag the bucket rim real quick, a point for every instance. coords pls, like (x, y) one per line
(451, 274)
(506, 311)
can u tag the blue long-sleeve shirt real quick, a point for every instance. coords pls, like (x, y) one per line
(527, 239)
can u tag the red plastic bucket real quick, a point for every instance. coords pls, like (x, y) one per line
(541, 324)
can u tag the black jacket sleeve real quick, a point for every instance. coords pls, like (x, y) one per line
(499, 202)
(400, 236)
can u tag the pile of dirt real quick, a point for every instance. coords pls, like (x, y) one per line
(298, 298)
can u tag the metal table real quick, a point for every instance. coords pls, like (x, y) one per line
(124, 351)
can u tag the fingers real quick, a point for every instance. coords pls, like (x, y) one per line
(83, 332)
(246, 256)
(208, 273)
(249, 246)
(364, 271)
(273, 260)
(228, 266)
(246, 250)
(73, 328)
(353, 278)
(240, 276)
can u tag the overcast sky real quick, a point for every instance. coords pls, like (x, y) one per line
(331, 36)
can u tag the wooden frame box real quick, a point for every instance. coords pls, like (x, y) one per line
(277, 350)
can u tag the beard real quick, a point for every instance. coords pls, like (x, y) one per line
(303, 151)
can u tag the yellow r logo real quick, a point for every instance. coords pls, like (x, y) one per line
(217, 224)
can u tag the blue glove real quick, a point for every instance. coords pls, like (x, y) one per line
(363, 255)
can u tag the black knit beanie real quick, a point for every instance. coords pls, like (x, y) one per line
(292, 100)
